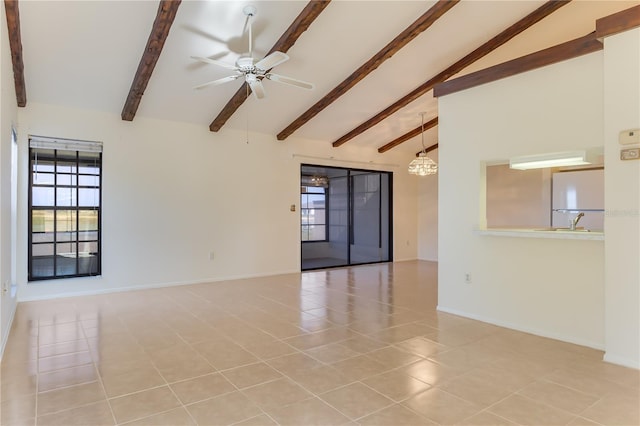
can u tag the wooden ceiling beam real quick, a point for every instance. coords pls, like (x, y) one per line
(618, 22)
(15, 44)
(561, 52)
(167, 10)
(428, 149)
(486, 48)
(311, 11)
(411, 32)
(413, 133)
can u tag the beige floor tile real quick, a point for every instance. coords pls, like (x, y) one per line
(331, 353)
(59, 362)
(402, 332)
(485, 419)
(261, 420)
(17, 386)
(511, 380)
(320, 338)
(59, 333)
(461, 358)
(224, 354)
(360, 367)
(615, 410)
(96, 414)
(396, 385)
(581, 421)
(475, 389)
(146, 377)
(584, 382)
(393, 357)
(67, 377)
(176, 417)
(276, 393)
(63, 348)
(270, 349)
(18, 409)
(320, 379)
(309, 412)
(143, 404)
(280, 330)
(70, 397)
(356, 400)
(363, 344)
(430, 372)
(559, 396)
(395, 415)
(223, 410)
(251, 375)
(180, 363)
(525, 411)
(421, 347)
(115, 367)
(201, 388)
(208, 340)
(292, 363)
(441, 407)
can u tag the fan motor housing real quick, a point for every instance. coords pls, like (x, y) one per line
(245, 63)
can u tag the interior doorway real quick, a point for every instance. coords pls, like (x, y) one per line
(345, 216)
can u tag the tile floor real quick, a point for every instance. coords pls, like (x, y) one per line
(354, 346)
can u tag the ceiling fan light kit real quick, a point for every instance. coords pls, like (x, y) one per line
(422, 165)
(252, 71)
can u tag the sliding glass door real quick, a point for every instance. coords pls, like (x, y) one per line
(345, 216)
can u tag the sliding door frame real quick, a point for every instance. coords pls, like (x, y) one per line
(350, 173)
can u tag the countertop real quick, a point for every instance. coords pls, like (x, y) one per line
(537, 233)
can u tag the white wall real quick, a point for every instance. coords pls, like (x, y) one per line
(428, 215)
(622, 200)
(546, 286)
(8, 115)
(173, 192)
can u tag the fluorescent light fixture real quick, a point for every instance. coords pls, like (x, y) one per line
(554, 159)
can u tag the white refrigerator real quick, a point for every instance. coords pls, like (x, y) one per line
(578, 191)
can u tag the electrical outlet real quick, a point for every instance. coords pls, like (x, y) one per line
(467, 278)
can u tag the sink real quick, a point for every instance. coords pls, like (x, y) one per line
(579, 229)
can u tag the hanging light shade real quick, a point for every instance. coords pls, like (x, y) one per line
(423, 165)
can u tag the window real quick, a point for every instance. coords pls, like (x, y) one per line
(64, 208)
(313, 209)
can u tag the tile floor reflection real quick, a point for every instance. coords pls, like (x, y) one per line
(362, 345)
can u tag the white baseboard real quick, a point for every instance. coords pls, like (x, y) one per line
(526, 329)
(94, 292)
(621, 360)
(5, 333)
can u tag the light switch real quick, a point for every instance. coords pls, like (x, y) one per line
(629, 137)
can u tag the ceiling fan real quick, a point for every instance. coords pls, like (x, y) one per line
(252, 71)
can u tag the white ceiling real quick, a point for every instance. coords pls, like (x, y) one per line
(84, 54)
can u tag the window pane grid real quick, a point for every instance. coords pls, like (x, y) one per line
(313, 216)
(64, 204)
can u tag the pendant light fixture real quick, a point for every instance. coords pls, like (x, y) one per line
(423, 165)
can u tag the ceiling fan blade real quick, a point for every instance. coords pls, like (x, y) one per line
(257, 88)
(215, 62)
(290, 80)
(219, 81)
(270, 61)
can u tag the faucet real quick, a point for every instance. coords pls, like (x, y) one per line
(575, 221)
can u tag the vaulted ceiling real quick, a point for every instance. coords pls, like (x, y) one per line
(373, 63)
